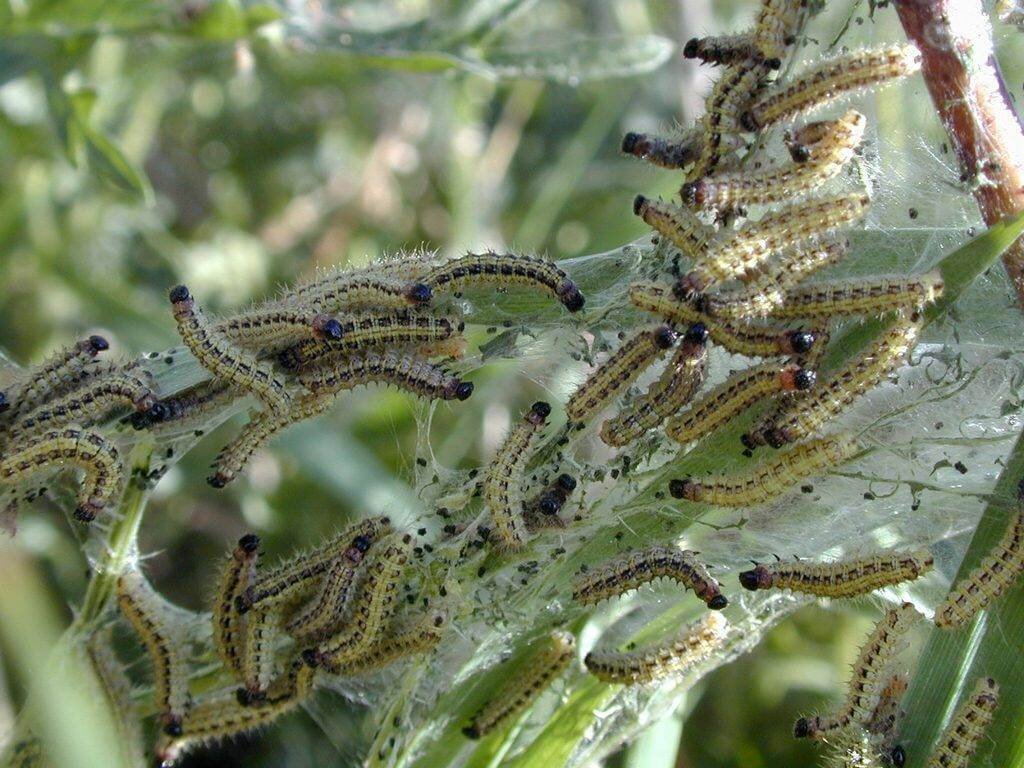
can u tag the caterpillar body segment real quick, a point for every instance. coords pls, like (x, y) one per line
(739, 256)
(81, 448)
(772, 477)
(258, 654)
(869, 678)
(681, 226)
(722, 49)
(350, 291)
(829, 81)
(268, 330)
(58, 373)
(645, 665)
(617, 372)
(733, 396)
(673, 389)
(407, 371)
(423, 637)
(371, 609)
(520, 691)
(665, 153)
(505, 269)
(188, 408)
(542, 510)
(219, 356)
(236, 577)
(960, 740)
(634, 569)
(740, 188)
(775, 29)
(843, 578)
(860, 297)
(505, 473)
(887, 715)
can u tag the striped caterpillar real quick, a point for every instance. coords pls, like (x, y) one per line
(269, 330)
(260, 637)
(740, 255)
(697, 642)
(830, 155)
(869, 676)
(220, 357)
(672, 154)
(634, 569)
(861, 297)
(995, 574)
(749, 340)
(776, 27)
(681, 378)
(405, 370)
(424, 636)
(191, 407)
(504, 473)
(236, 577)
(723, 49)
(340, 291)
(843, 578)
(57, 374)
(771, 478)
(521, 690)
(960, 740)
(85, 449)
(829, 81)
(542, 510)
(735, 395)
(631, 359)
(681, 226)
(506, 269)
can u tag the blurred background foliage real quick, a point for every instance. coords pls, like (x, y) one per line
(235, 146)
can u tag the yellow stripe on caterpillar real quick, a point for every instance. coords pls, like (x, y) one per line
(876, 296)
(843, 578)
(972, 718)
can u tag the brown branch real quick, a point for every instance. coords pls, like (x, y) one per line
(963, 77)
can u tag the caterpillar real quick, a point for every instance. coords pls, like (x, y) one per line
(775, 29)
(54, 376)
(424, 636)
(224, 360)
(735, 395)
(298, 577)
(407, 371)
(723, 49)
(260, 637)
(972, 718)
(520, 691)
(618, 372)
(144, 610)
(995, 574)
(681, 226)
(809, 414)
(738, 256)
(844, 578)
(371, 609)
(865, 688)
(768, 290)
(730, 190)
(861, 297)
(542, 510)
(663, 152)
(85, 449)
(681, 378)
(364, 331)
(749, 340)
(191, 407)
(236, 577)
(771, 478)
(504, 473)
(829, 81)
(347, 291)
(634, 569)
(267, 330)
(697, 642)
(506, 269)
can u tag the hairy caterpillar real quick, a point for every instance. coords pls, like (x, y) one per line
(145, 611)
(861, 297)
(634, 569)
(868, 679)
(809, 414)
(831, 154)
(542, 510)
(267, 330)
(749, 340)
(995, 574)
(697, 642)
(681, 378)
(681, 226)
(299, 576)
(371, 609)
(504, 473)
(54, 376)
(722, 49)
(506, 269)
(768, 291)
(220, 357)
(970, 721)
(85, 449)
(236, 577)
(346, 291)
(407, 371)
(520, 691)
(843, 578)
(257, 655)
(738, 256)
(829, 81)
(663, 152)
(735, 395)
(771, 478)
(358, 333)
(187, 408)
(618, 372)
(424, 636)
(775, 29)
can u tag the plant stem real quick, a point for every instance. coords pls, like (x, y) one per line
(960, 69)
